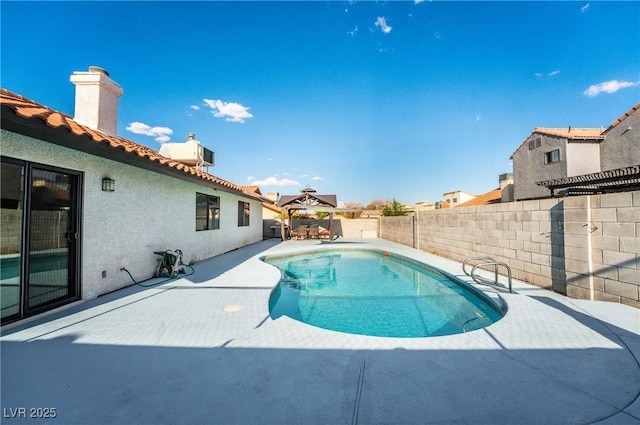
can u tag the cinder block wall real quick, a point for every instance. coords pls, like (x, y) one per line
(397, 229)
(344, 227)
(586, 246)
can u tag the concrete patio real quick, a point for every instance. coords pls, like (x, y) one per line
(203, 350)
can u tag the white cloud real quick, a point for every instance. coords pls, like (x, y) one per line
(353, 32)
(274, 181)
(316, 178)
(232, 112)
(382, 23)
(551, 74)
(195, 107)
(478, 117)
(584, 8)
(161, 134)
(608, 87)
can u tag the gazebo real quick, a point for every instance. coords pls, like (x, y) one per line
(311, 201)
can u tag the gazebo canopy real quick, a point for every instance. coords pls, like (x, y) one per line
(306, 198)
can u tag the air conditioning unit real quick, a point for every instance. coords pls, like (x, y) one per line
(191, 152)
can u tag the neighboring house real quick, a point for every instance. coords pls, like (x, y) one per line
(273, 196)
(621, 146)
(269, 209)
(457, 197)
(504, 193)
(424, 205)
(549, 153)
(565, 154)
(270, 212)
(491, 197)
(80, 203)
(506, 187)
(619, 162)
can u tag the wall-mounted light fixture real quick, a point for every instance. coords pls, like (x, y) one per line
(108, 184)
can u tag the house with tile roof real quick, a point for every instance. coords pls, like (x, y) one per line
(553, 153)
(80, 203)
(564, 154)
(621, 147)
(457, 197)
(492, 197)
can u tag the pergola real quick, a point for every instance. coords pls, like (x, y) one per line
(310, 201)
(620, 179)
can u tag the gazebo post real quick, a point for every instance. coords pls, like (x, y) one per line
(331, 227)
(282, 231)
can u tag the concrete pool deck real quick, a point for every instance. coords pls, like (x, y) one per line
(203, 350)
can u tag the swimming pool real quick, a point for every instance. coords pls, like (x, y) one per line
(371, 292)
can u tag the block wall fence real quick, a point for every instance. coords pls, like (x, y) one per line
(586, 247)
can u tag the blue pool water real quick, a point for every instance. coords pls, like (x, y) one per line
(374, 293)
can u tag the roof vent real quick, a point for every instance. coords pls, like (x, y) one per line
(191, 152)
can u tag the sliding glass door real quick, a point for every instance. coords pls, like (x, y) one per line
(40, 263)
(11, 217)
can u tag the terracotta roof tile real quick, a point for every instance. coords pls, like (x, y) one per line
(572, 133)
(29, 109)
(624, 117)
(75, 127)
(251, 189)
(492, 197)
(569, 133)
(56, 120)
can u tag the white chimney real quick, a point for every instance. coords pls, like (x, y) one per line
(96, 100)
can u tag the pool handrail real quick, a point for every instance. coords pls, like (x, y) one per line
(477, 258)
(496, 264)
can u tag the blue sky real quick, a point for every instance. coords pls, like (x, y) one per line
(365, 100)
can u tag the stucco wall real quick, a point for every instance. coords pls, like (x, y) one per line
(529, 166)
(585, 246)
(147, 212)
(621, 147)
(582, 158)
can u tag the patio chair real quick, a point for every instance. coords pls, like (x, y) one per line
(323, 233)
(300, 232)
(314, 232)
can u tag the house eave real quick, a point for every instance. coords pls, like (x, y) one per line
(62, 136)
